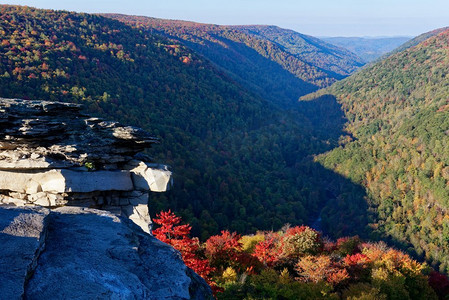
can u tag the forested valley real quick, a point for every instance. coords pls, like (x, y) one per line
(363, 152)
(241, 162)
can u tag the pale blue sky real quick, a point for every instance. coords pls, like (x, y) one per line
(314, 17)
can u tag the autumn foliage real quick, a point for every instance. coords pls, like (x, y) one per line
(297, 263)
(269, 252)
(170, 232)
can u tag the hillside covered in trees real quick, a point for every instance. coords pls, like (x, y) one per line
(278, 64)
(398, 115)
(416, 40)
(241, 162)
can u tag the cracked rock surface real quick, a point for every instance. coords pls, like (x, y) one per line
(22, 236)
(41, 134)
(82, 253)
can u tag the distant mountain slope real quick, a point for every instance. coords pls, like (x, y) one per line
(420, 38)
(239, 161)
(398, 112)
(277, 69)
(314, 51)
(369, 49)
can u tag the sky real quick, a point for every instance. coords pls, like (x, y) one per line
(313, 17)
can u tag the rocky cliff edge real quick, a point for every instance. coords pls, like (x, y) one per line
(74, 218)
(84, 253)
(51, 155)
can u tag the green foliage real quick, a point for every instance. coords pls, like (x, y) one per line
(398, 113)
(420, 38)
(363, 291)
(314, 51)
(271, 285)
(300, 243)
(348, 245)
(90, 166)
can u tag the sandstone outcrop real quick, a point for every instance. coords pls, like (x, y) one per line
(74, 218)
(83, 253)
(52, 155)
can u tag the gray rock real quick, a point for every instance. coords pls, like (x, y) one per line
(52, 155)
(22, 237)
(91, 254)
(85, 182)
(62, 180)
(149, 176)
(43, 134)
(6, 200)
(139, 214)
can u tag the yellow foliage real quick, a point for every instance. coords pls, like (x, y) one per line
(379, 273)
(313, 268)
(284, 277)
(250, 241)
(229, 275)
(437, 170)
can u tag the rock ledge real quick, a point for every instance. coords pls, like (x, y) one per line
(83, 253)
(52, 155)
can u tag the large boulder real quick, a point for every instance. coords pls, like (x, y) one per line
(82, 253)
(150, 176)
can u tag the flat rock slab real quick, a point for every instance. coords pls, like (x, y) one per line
(21, 240)
(91, 254)
(61, 181)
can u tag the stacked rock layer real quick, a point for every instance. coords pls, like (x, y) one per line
(52, 155)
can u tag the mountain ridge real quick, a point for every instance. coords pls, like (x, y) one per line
(291, 39)
(418, 39)
(242, 54)
(368, 48)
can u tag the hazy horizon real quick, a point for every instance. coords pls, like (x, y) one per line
(322, 18)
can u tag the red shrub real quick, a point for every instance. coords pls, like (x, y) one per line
(224, 250)
(269, 252)
(178, 236)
